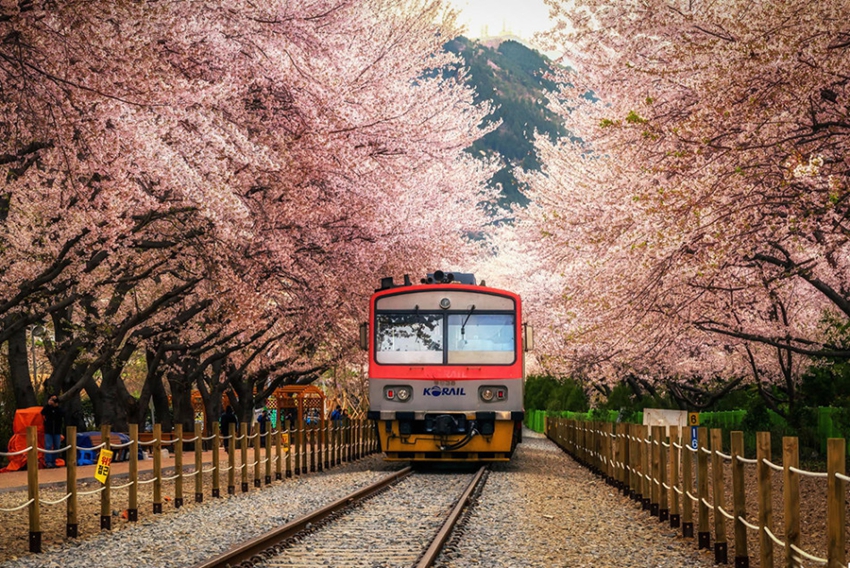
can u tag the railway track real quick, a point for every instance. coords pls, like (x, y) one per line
(403, 520)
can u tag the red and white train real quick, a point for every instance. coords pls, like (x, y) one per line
(446, 369)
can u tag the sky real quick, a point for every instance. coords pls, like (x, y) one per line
(484, 18)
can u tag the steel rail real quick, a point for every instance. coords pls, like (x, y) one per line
(251, 549)
(436, 546)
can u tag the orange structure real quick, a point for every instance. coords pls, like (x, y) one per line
(305, 402)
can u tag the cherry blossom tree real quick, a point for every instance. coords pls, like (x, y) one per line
(707, 194)
(221, 185)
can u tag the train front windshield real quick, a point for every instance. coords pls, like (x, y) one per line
(454, 338)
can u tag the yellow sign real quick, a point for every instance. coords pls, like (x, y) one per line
(285, 440)
(101, 472)
(693, 418)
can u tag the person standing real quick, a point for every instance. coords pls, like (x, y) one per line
(262, 420)
(53, 421)
(228, 418)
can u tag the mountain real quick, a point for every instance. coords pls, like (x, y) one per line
(514, 78)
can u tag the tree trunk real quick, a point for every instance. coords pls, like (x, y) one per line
(19, 371)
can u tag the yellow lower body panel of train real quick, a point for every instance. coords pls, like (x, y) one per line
(495, 445)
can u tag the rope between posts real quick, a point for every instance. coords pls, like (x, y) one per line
(842, 477)
(747, 460)
(46, 502)
(811, 557)
(690, 448)
(92, 492)
(677, 490)
(205, 438)
(773, 465)
(809, 473)
(677, 446)
(724, 456)
(773, 537)
(228, 468)
(748, 525)
(59, 451)
(128, 484)
(688, 493)
(706, 450)
(193, 474)
(175, 476)
(210, 470)
(189, 440)
(707, 504)
(146, 481)
(124, 445)
(18, 508)
(725, 514)
(18, 453)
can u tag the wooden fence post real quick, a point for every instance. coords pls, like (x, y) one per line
(634, 463)
(675, 439)
(328, 443)
(157, 469)
(320, 446)
(624, 458)
(34, 508)
(257, 456)
(703, 534)
(312, 448)
(267, 438)
(278, 464)
(739, 500)
(106, 494)
(216, 458)
(836, 511)
(791, 497)
(663, 510)
(763, 454)
(295, 444)
(688, 458)
(655, 471)
(178, 466)
(72, 506)
(721, 547)
(289, 452)
(199, 463)
(303, 431)
(645, 470)
(231, 459)
(133, 491)
(243, 454)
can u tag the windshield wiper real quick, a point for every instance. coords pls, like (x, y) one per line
(463, 327)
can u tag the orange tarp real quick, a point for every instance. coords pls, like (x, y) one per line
(25, 417)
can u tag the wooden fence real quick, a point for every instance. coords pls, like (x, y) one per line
(684, 483)
(291, 452)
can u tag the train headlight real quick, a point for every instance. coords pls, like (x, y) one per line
(493, 393)
(398, 393)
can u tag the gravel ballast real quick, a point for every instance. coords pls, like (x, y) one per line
(544, 509)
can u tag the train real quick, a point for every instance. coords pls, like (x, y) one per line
(446, 369)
